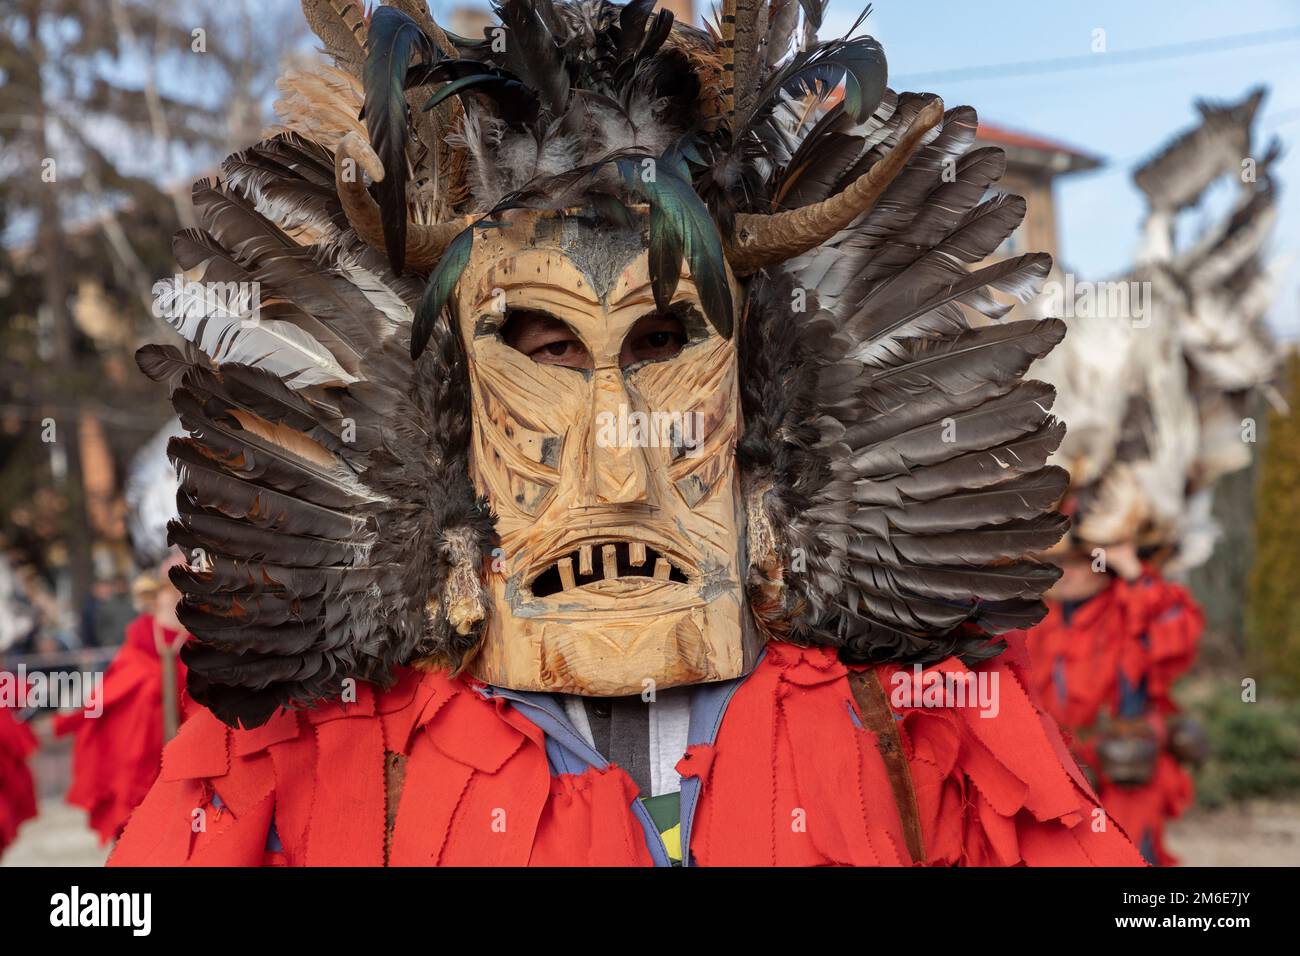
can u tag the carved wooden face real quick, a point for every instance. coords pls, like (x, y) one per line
(604, 438)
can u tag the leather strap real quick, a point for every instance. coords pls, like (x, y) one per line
(878, 717)
(167, 651)
(394, 782)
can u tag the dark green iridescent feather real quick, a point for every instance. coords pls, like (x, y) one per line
(437, 291)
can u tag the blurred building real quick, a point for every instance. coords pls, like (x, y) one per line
(1034, 163)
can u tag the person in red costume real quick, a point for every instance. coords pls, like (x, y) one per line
(116, 755)
(624, 544)
(17, 791)
(1104, 662)
(779, 769)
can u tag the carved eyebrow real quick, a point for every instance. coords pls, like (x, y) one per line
(637, 295)
(556, 290)
(634, 296)
(644, 294)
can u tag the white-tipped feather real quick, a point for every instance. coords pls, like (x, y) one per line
(150, 495)
(227, 326)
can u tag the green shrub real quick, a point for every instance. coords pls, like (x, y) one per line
(1273, 608)
(1254, 747)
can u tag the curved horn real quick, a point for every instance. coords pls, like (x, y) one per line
(763, 239)
(425, 243)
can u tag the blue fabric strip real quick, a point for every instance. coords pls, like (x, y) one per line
(708, 705)
(273, 844)
(568, 752)
(1132, 697)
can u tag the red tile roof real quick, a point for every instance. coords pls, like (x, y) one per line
(1060, 158)
(1001, 136)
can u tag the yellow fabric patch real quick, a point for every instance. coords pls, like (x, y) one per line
(673, 842)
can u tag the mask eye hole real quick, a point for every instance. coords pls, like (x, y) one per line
(654, 338)
(544, 339)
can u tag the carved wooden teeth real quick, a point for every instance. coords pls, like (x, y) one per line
(565, 566)
(618, 559)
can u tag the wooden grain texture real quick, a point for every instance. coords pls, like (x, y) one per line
(572, 498)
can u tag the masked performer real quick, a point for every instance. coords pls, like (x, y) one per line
(17, 791)
(1104, 661)
(1117, 634)
(118, 743)
(614, 539)
(1156, 400)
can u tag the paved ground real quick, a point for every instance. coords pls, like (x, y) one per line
(1261, 833)
(1257, 835)
(57, 837)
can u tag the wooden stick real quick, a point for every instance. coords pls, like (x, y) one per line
(584, 560)
(727, 46)
(662, 569)
(609, 561)
(566, 573)
(636, 553)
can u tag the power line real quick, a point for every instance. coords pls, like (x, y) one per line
(1091, 61)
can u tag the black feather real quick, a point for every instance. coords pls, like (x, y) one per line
(392, 40)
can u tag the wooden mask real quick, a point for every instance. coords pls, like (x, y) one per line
(604, 439)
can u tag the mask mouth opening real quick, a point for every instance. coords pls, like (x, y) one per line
(605, 561)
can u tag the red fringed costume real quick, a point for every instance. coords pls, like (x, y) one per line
(1117, 655)
(17, 792)
(116, 756)
(790, 779)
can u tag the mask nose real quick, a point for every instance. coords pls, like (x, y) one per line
(616, 469)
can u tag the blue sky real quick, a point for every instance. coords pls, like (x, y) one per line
(1121, 112)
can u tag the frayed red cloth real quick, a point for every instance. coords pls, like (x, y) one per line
(17, 791)
(791, 779)
(1076, 675)
(116, 756)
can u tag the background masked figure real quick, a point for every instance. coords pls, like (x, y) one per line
(617, 478)
(17, 742)
(17, 789)
(1104, 664)
(118, 743)
(1157, 403)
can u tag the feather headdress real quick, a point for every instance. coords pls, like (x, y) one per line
(893, 452)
